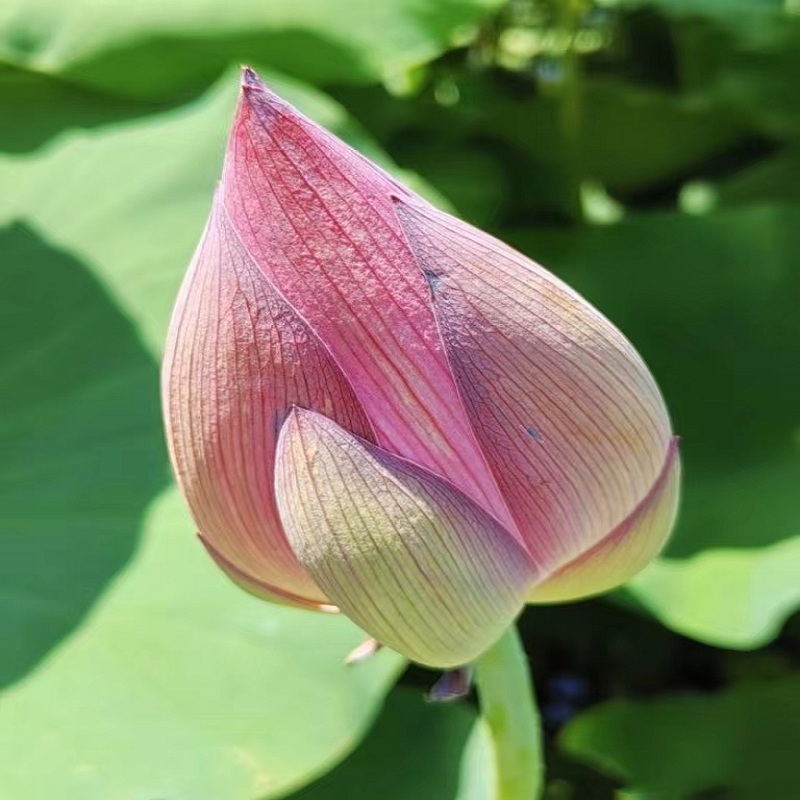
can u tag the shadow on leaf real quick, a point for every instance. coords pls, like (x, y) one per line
(80, 434)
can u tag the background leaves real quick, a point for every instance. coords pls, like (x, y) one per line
(155, 49)
(737, 744)
(76, 481)
(179, 685)
(446, 744)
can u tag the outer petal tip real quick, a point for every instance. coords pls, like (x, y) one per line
(257, 95)
(260, 589)
(627, 549)
(250, 78)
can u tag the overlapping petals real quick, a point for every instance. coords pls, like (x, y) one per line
(374, 406)
(237, 359)
(567, 414)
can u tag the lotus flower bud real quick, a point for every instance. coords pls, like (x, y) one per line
(374, 408)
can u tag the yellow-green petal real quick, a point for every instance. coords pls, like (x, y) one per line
(409, 558)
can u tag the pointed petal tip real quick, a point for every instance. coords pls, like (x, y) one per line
(301, 420)
(249, 75)
(363, 652)
(251, 79)
(258, 106)
(296, 420)
(255, 92)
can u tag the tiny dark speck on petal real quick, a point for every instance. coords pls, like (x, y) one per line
(434, 280)
(278, 418)
(534, 434)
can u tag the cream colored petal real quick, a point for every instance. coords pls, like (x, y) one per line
(410, 559)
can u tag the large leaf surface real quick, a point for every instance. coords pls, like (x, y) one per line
(157, 49)
(439, 752)
(180, 685)
(730, 597)
(80, 434)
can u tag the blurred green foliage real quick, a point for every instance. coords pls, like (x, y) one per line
(739, 744)
(648, 152)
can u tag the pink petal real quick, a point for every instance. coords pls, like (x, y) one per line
(413, 561)
(260, 589)
(624, 552)
(238, 357)
(319, 221)
(571, 421)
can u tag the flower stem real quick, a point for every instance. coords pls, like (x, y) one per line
(509, 709)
